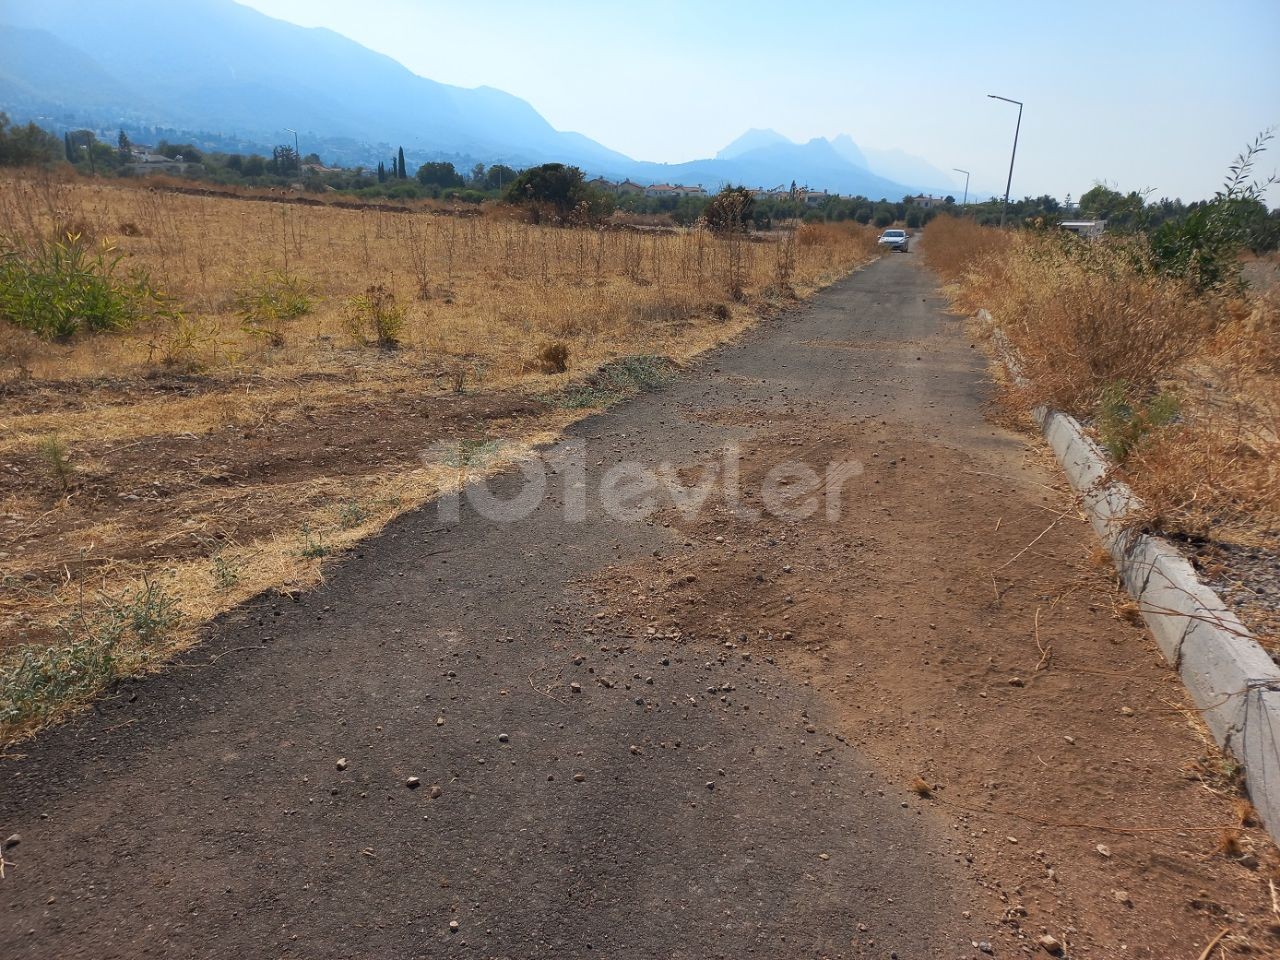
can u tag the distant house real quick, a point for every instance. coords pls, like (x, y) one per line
(143, 161)
(630, 186)
(1088, 229)
(603, 185)
(925, 202)
(674, 190)
(814, 198)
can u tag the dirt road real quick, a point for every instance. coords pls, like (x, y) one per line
(693, 733)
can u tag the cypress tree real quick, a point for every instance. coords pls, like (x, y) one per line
(382, 172)
(66, 146)
(402, 174)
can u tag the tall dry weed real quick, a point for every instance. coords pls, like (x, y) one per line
(1182, 384)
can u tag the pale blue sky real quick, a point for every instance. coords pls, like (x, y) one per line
(1143, 94)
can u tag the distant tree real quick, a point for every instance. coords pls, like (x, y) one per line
(125, 147)
(440, 175)
(235, 162)
(67, 150)
(254, 165)
(187, 152)
(498, 176)
(382, 172)
(314, 159)
(949, 200)
(1121, 211)
(82, 144)
(400, 171)
(25, 146)
(553, 187)
(884, 215)
(477, 173)
(284, 161)
(729, 210)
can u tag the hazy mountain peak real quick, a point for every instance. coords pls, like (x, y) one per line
(844, 145)
(753, 139)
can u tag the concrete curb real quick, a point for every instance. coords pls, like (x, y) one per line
(1232, 680)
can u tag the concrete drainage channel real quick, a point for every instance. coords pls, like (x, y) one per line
(1232, 680)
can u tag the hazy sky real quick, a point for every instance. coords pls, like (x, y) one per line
(1142, 94)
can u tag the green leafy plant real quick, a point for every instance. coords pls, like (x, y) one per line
(313, 546)
(95, 644)
(60, 287)
(268, 303)
(225, 574)
(57, 461)
(351, 514)
(1124, 423)
(375, 317)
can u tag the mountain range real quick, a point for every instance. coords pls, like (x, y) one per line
(227, 74)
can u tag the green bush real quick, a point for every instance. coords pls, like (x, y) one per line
(1124, 423)
(375, 317)
(58, 288)
(267, 303)
(96, 644)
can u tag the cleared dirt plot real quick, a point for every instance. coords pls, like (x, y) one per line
(264, 390)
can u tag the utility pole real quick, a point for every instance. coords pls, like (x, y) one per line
(296, 152)
(1004, 210)
(965, 201)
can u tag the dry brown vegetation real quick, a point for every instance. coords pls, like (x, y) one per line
(1181, 386)
(276, 410)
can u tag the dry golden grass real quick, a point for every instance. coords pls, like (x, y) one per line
(1099, 333)
(219, 458)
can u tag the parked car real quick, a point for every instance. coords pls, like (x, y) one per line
(897, 239)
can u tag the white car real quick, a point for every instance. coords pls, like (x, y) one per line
(897, 239)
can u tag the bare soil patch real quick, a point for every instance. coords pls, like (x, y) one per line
(976, 648)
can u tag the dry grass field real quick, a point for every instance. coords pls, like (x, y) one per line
(272, 406)
(1181, 386)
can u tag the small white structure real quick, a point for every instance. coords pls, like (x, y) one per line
(1088, 229)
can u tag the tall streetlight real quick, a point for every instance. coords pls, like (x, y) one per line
(965, 201)
(296, 152)
(1004, 210)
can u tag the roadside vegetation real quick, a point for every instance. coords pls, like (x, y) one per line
(1156, 339)
(204, 398)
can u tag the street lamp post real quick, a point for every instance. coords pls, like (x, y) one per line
(296, 152)
(965, 201)
(1004, 210)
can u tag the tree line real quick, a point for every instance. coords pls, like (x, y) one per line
(560, 192)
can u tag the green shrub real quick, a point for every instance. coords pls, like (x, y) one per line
(95, 645)
(58, 288)
(1124, 423)
(53, 452)
(266, 304)
(375, 317)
